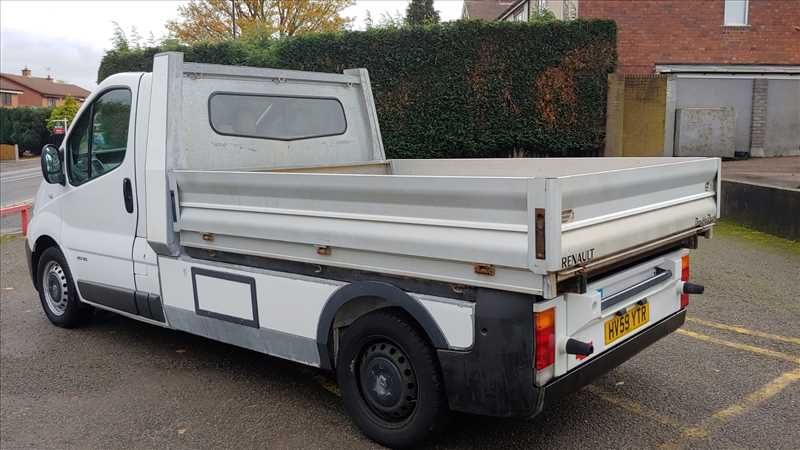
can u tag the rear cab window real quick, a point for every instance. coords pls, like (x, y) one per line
(276, 117)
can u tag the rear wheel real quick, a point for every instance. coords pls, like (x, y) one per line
(57, 291)
(390, 380)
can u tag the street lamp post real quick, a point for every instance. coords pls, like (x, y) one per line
(233, 15)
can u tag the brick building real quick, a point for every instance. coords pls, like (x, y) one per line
(739, 60)
(719, 32)
(27, 90)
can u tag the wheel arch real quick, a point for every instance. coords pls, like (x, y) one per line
(375, 295)
(42, 243)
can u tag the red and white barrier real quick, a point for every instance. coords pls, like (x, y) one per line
(24, 210)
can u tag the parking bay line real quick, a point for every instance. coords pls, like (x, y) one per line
(743, 330)
(738, 346)
(731, 412)
(634, 407)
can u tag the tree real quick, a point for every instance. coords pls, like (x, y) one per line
(212, 20)
(63, 113)
(122, 41)
(119, 39)
(542, 16)
(391, 20)
(421, 12)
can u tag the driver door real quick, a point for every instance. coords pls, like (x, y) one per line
(98, 205)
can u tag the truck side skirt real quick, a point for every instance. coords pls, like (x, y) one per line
(291, 315)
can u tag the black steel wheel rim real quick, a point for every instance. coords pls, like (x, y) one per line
(387, 381)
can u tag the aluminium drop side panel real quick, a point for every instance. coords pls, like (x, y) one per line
(426, 227)
(609, 212)
(439, 227)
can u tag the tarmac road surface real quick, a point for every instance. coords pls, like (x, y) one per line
(730, 378)
(19, 181)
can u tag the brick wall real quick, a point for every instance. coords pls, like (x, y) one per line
(691, 32)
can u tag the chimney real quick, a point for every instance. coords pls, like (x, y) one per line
(26, 72)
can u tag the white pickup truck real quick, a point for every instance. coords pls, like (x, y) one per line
(257, 207)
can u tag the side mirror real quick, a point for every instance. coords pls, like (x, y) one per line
(52, 167)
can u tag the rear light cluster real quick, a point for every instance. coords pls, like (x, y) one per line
(545, 333)
(684, 278)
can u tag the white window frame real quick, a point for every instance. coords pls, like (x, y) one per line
(732, 4)
(541, 5)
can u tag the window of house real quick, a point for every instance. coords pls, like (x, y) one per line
(52, 101)
(99, 139)
(276, 117)
(542, 5)
(736, 12)
(518, 15)
(5, 99)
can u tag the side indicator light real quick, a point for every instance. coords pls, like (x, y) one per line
(684, 278)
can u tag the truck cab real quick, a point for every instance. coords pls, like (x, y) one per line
(257, 207)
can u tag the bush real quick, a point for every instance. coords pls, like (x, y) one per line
(26, 127)
(458, 90)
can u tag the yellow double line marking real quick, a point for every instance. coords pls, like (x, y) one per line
(763, 394)
(738, 346)
(731, 412)
(725, 415)
(743, 330)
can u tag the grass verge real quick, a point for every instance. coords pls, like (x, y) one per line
(733, 229)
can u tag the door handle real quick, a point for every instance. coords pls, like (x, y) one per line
(127, 194)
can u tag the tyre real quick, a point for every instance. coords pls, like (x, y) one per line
(57, 291)
(390, 380)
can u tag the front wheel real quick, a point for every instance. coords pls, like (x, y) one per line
(390, 380)
(57, 291)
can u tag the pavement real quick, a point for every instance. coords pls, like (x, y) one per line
(781, 172)
(19, 181)
(730, 378)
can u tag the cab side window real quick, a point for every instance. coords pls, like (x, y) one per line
(99, 139)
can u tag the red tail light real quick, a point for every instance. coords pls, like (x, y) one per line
(684, 277)
(545, 336)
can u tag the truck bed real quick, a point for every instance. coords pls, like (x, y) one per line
(486, 222)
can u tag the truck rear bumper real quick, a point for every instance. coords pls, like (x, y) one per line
(596, 367)
(486, 387)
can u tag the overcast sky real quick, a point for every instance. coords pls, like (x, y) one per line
(68, 38)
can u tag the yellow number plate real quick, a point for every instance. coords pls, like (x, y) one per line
(621, 325)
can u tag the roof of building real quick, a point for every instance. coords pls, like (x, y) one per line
(485, 9)
(46, 86)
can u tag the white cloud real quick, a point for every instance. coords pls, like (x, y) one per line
(68, 38)
(68, 60)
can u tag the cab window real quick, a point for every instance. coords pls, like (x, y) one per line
(276, 117)
(99, 139)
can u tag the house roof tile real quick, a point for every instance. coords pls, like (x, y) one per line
(46, 87)
(486, 9)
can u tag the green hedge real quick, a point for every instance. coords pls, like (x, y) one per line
(462, 89)
(26, 127)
